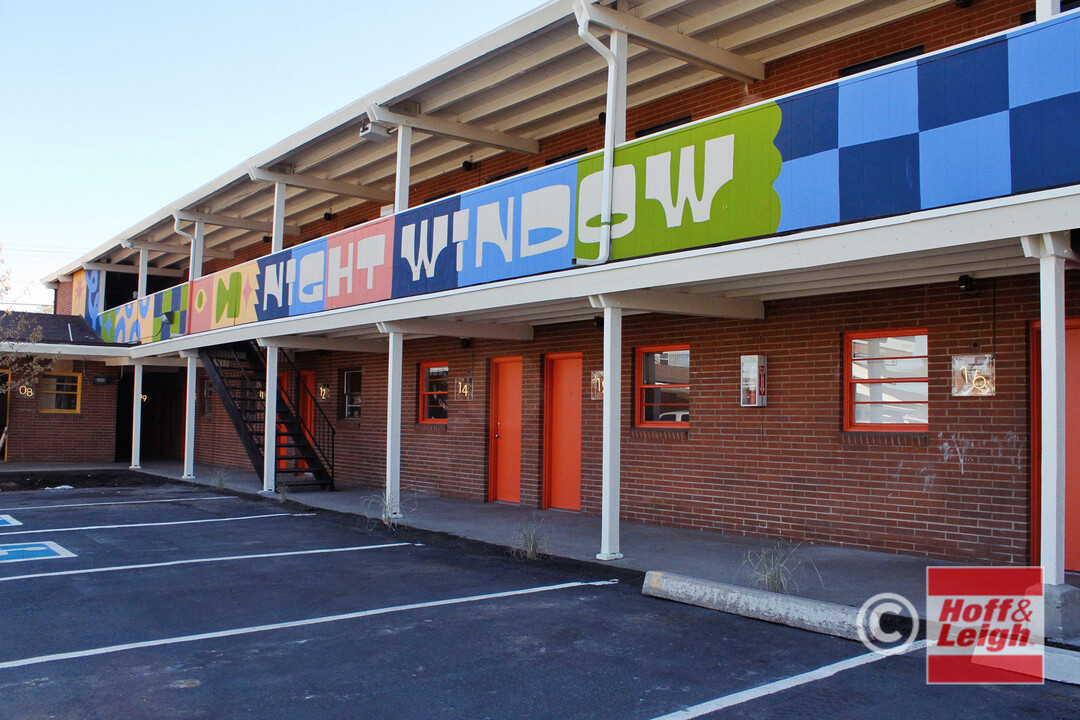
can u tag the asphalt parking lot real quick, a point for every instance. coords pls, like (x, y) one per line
(177, 602)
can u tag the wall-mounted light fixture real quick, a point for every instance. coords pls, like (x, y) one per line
(468, 166)
(328, 216)
(968, 284)
(374, 133)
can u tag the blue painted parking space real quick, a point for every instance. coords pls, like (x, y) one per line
(8, 521)
(21, 552)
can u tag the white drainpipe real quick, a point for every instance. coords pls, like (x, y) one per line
(609, 137)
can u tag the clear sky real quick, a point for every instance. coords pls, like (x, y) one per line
(112, 109)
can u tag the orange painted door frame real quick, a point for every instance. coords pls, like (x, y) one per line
(504, 439)
(562, 431)
(1072, 447)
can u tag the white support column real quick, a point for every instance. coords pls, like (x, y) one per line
(612, 437)
(136, 419)
(1052, 360)
(270, 422)
(144, 266)
(277, 239)
(102, 277)
(189, 418)
(195, 270)
(393, 426)
(1052, 250)
(404, 168)
(1046, 9)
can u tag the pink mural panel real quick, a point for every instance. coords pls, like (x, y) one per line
(201, 314)
(360, 264)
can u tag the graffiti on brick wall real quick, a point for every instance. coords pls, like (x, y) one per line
(980, 121)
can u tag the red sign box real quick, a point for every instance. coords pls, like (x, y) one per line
(984, 625)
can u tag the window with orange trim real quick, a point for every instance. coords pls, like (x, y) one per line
(434, 391)
(662, 386)
(886, 381)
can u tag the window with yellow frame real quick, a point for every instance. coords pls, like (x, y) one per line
(59, 392)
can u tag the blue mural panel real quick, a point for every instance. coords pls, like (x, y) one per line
(292, 282)
(879, 178)
(521, 227)
(1045, 143)
(1044, 61)
(878, 107)
(966, 161)
(963, 84)
(809, 190)
(809, 123)
(428, 246)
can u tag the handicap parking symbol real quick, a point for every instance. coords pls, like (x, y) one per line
(19, 552)
(8, 521)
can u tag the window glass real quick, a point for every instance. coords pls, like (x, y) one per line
(59, 392)
(351, 386)
(434, 392)
(663, 386)
(887, 385)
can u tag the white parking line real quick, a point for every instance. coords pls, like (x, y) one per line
(120, 502)
(774, 687)
(154, 524)
(286, 625)
(195, 561)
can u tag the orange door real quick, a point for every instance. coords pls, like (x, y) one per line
(562, 431)
(1072, 445)
(306, 403)
(505, 440)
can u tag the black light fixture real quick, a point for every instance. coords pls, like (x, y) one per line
(266, 238)
(468, 166)
(598, 321)
(602, 117)
(466, 343)
(964, 3)
(328, 216)
(968, 284)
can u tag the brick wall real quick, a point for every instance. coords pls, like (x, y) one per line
(89, 436)
(960, 491)
(63, 299)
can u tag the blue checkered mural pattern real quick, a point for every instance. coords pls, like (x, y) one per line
(984, 120)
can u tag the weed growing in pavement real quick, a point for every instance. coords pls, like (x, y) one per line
(528, 537)
(219, 478)
(382, 507)
(775, 568)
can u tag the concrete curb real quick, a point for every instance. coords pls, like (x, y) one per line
(814, 615)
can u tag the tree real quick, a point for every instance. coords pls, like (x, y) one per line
(19, 364)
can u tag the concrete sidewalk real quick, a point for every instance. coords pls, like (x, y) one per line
(840, 575)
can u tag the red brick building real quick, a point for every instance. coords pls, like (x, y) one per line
(876, 203)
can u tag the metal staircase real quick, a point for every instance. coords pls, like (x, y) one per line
(305, 447)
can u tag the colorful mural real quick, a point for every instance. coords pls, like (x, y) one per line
(984, 120)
